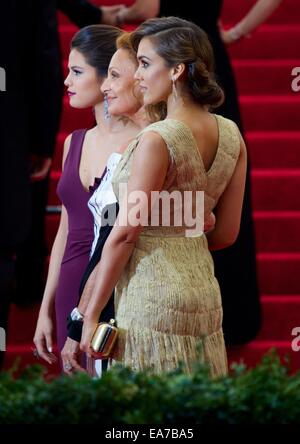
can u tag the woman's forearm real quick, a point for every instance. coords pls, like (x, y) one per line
(257, 15)
(88, 291)
(114, 258)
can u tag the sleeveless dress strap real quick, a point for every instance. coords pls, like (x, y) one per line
(74, 154)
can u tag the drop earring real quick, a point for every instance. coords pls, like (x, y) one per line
(106, 112)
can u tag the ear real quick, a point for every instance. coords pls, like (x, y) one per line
(177, 71)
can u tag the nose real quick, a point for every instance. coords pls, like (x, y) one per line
(67, 81)
(105, 87)
(137, 74)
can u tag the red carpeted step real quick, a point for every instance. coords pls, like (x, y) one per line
(287, 12)
(264, 76)
(252, 353)
(274, 149)
(269, 42)
(277, 231)
(276, 190)
(266, 113)
(278, 273)
(22, 323)
(280, 315)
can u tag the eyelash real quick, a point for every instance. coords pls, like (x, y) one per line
(76, 72)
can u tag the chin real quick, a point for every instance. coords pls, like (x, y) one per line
(148, 100)
(81, 105)
(113, 111)
(75, 103)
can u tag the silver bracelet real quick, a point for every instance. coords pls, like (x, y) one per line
(76, 315)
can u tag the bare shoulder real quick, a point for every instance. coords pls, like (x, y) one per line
(151, 153)
(233, 127)
(152, 140)
(243, 148)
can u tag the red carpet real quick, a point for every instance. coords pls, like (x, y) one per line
(263, 66)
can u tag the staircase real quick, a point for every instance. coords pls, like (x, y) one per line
(270, 110)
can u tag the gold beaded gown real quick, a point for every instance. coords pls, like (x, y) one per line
(167, 301)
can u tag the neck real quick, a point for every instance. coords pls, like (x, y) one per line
(107, 125)
(140, 118)
(182, 106)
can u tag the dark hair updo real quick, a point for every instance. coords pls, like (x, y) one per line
(180, 41)
(97, 43)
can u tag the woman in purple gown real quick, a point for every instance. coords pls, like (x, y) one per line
(85, 156)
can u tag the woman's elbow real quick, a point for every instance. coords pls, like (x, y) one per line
(219, 242)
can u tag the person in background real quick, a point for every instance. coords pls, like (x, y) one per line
(235, 266)
(15, 143)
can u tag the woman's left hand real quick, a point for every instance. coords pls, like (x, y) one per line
(88, 330)
(71, 357)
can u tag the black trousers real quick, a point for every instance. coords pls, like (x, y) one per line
(31, 254)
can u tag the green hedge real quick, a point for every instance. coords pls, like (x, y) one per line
(263, 395)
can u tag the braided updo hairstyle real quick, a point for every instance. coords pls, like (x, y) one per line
(179, 41)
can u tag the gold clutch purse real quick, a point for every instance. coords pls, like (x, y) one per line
(104, 339)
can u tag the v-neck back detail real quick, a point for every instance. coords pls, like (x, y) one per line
(186, 170)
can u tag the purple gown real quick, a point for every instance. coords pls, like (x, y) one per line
(80, 236)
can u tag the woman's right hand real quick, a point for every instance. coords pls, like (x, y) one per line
(43, 339)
